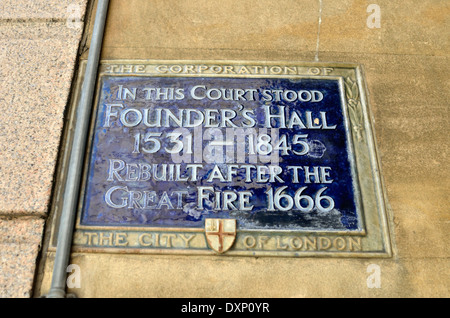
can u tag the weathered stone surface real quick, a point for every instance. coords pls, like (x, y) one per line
(414, 28)
(38, 45)
(209, 30)
(42, 9)
(409, 105)
(175, 276)
(406, 69)
(38, 62)
(20, 240)
(406, 66)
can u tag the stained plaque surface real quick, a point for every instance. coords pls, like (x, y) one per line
(284, 152)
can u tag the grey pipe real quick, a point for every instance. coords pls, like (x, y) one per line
(72, 185)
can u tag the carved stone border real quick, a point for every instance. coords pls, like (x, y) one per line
(373, 241)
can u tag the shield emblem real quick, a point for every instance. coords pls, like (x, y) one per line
(220, 234)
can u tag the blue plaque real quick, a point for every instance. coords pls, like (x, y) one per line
(241, 157)
(294, 169)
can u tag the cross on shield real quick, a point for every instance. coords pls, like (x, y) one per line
(220, 234)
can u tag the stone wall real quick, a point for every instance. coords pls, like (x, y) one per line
(38, 52)
(406, 65)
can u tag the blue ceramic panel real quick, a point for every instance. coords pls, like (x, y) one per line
(172, 151)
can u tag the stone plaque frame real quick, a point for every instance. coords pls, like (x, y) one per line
(372, 239)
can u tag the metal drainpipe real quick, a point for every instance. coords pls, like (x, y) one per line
(72, 184)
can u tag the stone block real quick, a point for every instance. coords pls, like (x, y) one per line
(409, 101)
(42, 10)
(20, 240)
(211, 30)
(37, 61)
(416, 27)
